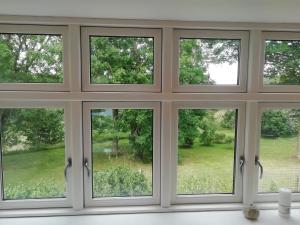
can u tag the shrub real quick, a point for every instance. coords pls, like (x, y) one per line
(120, 182)
(219, 138)
(39, 189)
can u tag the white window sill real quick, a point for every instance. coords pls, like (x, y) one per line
(176, 218)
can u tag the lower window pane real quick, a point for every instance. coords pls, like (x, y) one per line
(122, 151)
(206, 151)
(280, 150)
(33, 153)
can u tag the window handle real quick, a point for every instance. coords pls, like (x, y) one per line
(242, 163)
(86, 165)
(257, 162)
(69, 164)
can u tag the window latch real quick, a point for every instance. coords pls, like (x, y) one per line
(69, 164)
(257, 162)
(86, 165)
(242, 163)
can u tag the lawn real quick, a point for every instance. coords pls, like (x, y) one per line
(201, 169)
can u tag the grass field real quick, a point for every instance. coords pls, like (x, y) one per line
(201, 169)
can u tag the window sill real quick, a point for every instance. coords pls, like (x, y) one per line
(135, 210)
(178, 218)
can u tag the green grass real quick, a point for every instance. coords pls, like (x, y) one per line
(201, 169)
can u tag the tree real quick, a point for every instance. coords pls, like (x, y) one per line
(139, 123)
(192, 67)
(278, 123)
(122, 60)
(282, 65)
(40, 126)
(188, 124)
(31, 58)
(228, 120)
(208, 129)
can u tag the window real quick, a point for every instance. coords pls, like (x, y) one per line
(280, 64)
(33, 58)
(122, 153)
(34, 151)
(278, 148)
(210, 61)
(210, 142)
(122, 113)
(121, 59)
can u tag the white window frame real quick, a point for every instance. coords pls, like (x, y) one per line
(117, 201)
(270, 197)
(243, 36)
(282, 36)
(86, 32)
(239, 151)
(42, 30)
(45, 202)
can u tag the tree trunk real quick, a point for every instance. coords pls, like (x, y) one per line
(115, 144)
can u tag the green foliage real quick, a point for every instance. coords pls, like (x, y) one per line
(33, 127)
(44, 188)
(192, 68)
(139, 123)
(282, 65)
(120, 182)
(208, 128)
(122, 60)
(200, 184)
(228, 119)
(187, 126)
(277, 123)
(31, 58)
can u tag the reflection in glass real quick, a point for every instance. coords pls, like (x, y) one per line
(206, 151)
(122, 152)
(33, 153)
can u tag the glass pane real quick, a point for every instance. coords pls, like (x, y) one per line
(209, 61)
(206, 151)
(122, 60)
(280, 150)
(122, 151)
(282, 62)
(30, 58)
(33, 153)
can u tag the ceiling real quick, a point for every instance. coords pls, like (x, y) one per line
(203, 10)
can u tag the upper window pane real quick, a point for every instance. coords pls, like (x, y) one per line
(121, 60)
(282, 62)
(206, 151)
(33, 153)
(31, 58)
(280, 150)
(122, 152)
(207, 61)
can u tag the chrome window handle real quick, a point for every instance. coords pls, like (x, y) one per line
(242, 163)
(86, 165)
(69, 164)
(257, 162)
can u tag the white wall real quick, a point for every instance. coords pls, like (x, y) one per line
(209, 10)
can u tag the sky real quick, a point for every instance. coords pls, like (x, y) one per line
(223, 73)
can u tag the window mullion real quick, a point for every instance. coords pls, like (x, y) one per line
(74, 58)
(254, 61)
(77, 154)
(166, 172)
(250, 171)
